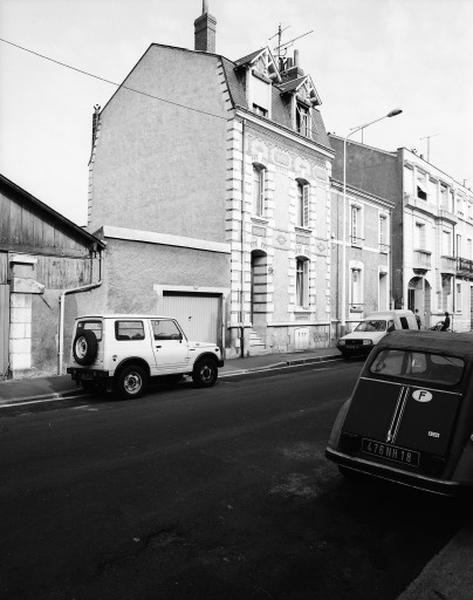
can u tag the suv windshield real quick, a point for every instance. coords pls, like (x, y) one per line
(372, 325)
(424, 366)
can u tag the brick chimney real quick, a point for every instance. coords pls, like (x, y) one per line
(204, 30)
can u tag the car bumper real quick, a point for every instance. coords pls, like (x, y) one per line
(79, 374)
(354, 350)
(220, 363)
(437, 486)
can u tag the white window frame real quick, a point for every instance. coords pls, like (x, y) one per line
(383, 299)
(420, 236)
(356, 224)
(302, 203)
(303, 119)
(259, 189)
(356, 296)
(383, 232)
(447, 249)
(302, 282)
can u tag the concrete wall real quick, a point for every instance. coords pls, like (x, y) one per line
(132, 269)
(158, 166)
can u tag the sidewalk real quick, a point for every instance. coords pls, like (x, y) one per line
(449, 574)
(62, 386)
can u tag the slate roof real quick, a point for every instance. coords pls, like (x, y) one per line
(293, 84)
(281, 113)
(248, 58)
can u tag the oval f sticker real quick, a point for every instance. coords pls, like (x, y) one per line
(422, 395)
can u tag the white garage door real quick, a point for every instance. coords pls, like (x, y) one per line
(198, 315)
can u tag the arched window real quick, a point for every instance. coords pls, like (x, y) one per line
(302, 203)
(259, 184)
(302, 282)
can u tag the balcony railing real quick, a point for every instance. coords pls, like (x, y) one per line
(422, 260)
(464, 267)
(448, 265)
(447, 215)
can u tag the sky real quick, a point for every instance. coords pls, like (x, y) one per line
(366, 57)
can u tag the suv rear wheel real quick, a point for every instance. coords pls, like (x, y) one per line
(130, 381)
(205, 372)
(85, 347)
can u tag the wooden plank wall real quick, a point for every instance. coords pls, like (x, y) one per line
(58, 273)
(24, 229)
(3, 267)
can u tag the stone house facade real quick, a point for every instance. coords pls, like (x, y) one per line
(210, 183)
(432, 229)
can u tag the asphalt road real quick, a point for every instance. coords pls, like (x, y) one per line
(204, 494)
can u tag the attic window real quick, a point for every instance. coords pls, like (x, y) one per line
(421, 193)
(259, 110)
(259, 95)
(303, 119)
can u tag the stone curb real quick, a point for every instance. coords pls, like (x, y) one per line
(77, 393)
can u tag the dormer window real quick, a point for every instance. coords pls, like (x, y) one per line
(260, 73)
(303, 119)
(259, 110)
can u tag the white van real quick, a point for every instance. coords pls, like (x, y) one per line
(373, 327)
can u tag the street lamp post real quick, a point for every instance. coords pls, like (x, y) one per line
(353, 130)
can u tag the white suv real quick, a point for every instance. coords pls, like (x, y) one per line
(124, 351)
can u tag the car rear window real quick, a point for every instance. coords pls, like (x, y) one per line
(95, 326)
(424, 366)
(129, 330)
(372, 325)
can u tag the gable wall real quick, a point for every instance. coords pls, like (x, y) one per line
(157, 166)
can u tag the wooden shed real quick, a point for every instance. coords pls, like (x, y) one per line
(43, 255)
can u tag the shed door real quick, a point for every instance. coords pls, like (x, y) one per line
(4, 328)
(198, 315)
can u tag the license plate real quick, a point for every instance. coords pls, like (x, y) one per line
(389, 452)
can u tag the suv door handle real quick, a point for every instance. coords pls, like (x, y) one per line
(158, 347)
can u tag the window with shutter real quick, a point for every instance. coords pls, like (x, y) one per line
(259, 177)
(303, 204)
(302, 282)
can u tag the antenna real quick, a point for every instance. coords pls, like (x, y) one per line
(282, 47)
(290, 42)
(427, 137)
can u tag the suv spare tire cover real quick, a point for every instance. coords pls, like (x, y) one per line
(85, 347)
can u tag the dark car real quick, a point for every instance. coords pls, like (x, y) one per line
(409, 419)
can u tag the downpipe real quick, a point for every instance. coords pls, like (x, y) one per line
(62, 298)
